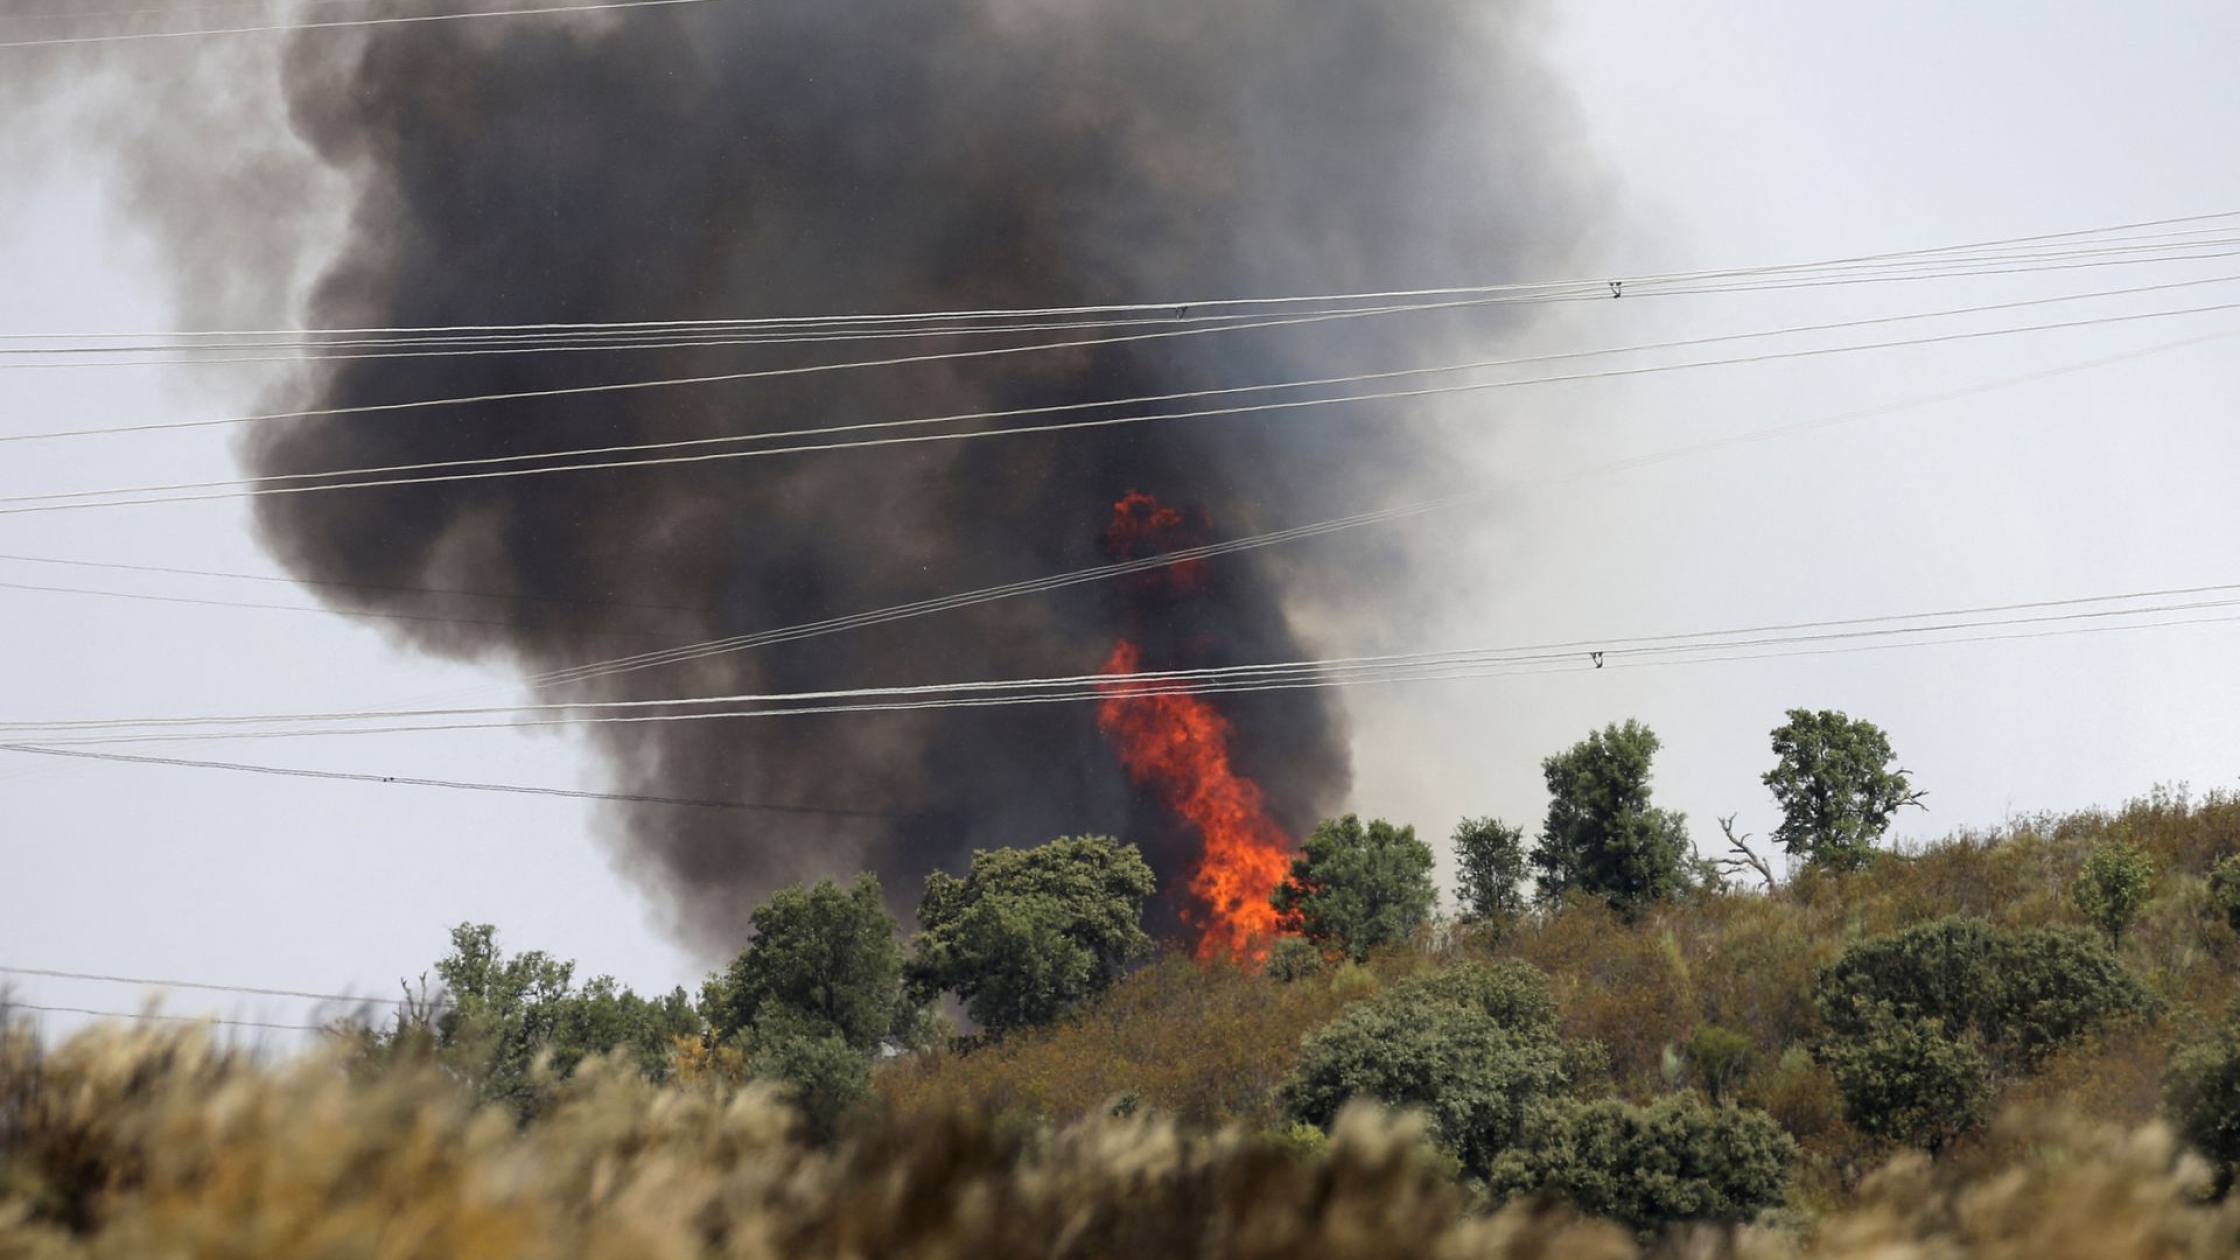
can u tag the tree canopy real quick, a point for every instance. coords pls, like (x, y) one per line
(495, 1016)
(1356, 886)
(1490, 863)
(1835, 787)
(1028, 934)
(1603, 837)
(825, 956)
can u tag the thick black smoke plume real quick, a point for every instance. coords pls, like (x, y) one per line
(808, 157)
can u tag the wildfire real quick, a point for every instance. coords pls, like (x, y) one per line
(1176, 745)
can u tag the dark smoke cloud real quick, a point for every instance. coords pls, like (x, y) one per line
(802, 157)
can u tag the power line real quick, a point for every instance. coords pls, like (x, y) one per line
(891, 613)
(1077, 425)
(1336, 671)
(1138, 400)
(12, 1005)
(1171, 304)
(355, 586)
(611, 387)
(898, 612)
(455, 784)
(298, 608)
(219, 353)
(144, 982)
(337, 24)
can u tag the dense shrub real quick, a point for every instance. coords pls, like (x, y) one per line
(2224, 889)
(2201, 1093)
(1907, 1080)
(2022, 992)
(1472, 1046)
(1293, 958)
(2051, 985)
(1650, 1167)
(2114, 886)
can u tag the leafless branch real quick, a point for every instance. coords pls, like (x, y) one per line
(1742, 858)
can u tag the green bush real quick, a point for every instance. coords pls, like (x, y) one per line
(1907, 1080)
(1472, 1046)
(1293, 958)
(2201, 1096)
(1650, 1167)
(2114, 886)
(2224, 889)
(2022, 993)
(2050, 986)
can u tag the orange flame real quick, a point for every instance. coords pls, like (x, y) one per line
(1177, 745)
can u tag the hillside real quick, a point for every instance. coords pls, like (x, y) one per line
(1153, 1120)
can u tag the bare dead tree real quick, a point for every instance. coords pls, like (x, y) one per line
(1743, 858)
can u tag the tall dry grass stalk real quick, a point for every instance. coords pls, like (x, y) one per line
(136, 1145)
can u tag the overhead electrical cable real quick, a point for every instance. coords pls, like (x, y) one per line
(898, 612)
(1137, 400)
(13, 1005)
(147, 597)
(287, 580)
(614, 387)
(1077, 425)
(143, 982)
(399, 780)
(290, 28)
(317, 351)
(1201, 303)
(2052, 611)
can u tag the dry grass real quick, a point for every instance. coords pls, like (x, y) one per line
(152, 1144)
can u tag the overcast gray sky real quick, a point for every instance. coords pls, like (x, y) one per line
(1732, 134)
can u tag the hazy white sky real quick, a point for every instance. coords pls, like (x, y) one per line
(1735, 133)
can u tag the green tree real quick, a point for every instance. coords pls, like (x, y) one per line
(2201, 1096)
(1908, 1080)
(497, 1018)
(2114, 886)
(1602, 836)
(825, 956)
(818, 1070)
(1028, 934)
(1355, 887)
(1674, 1161)
(1472, 1046)
(1835, 787)
(1489, 859)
